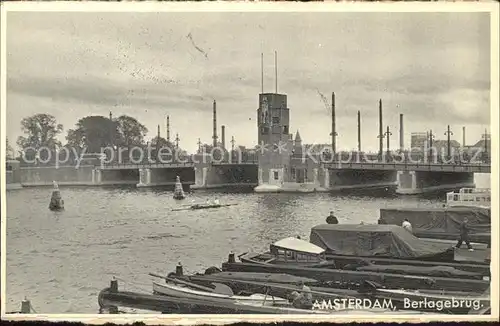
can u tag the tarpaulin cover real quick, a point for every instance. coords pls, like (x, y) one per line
(374, 240)
(440, 220)
(437, 271)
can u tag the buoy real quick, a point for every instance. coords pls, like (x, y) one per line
(178, 270)
(113, 287)
(178, 191)
(231, 258)
(25, 306)
(56, 201)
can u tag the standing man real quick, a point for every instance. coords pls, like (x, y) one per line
(331, 219)
(464, 234)
(407, 226)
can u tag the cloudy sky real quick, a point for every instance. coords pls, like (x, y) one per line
(432, 67)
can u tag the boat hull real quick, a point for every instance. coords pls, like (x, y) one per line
(396, 268)
(176, 305)
(177, 291)
(346, 278)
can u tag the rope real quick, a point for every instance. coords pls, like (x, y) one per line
(32, 309)
(137, 286)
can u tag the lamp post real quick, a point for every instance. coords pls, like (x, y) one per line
(359, 131)
(232, 147)
(449, 133)
(177, 141)
(387, 134)
(431, 138)
(199, 146)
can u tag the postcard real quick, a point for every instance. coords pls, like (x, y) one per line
(215, 162)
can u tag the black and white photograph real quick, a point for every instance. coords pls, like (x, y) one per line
(245, 159)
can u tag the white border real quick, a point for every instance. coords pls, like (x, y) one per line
(491, 7)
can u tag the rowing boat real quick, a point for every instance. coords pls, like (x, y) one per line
(186, 292)
(202, 206)
(111, 299)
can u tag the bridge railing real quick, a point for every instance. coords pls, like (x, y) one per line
(144, 164)
(398, 157)
(409, 166)
(229, 162)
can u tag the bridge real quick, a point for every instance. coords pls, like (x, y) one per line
(408, 166)
(293, 168)
(408, 176)
(171, 165)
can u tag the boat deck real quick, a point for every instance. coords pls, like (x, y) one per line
(479, 255)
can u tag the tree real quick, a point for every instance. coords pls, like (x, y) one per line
(156, 144)
(159, 142)
(130, 132)
(41, 130)
(93, 133)
(9, 151)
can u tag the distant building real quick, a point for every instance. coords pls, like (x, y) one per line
(483, 146)
(441, 146)
(317, 148)
(418, 140)
(421, 141)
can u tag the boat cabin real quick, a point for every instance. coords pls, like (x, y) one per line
(297, 250)
(469, 197)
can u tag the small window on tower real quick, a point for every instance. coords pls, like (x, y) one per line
(276, 120)
(285, 130)
(276, 176)
(265, 130)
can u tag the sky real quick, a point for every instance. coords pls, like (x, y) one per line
(432, 67)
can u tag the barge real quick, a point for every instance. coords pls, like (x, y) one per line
(442, 223)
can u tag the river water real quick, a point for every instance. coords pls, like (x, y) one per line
(61, 261)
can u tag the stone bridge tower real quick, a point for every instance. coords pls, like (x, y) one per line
(274, 146)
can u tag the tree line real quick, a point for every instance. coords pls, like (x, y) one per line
(90, 135)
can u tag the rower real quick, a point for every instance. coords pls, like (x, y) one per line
(331, 219)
